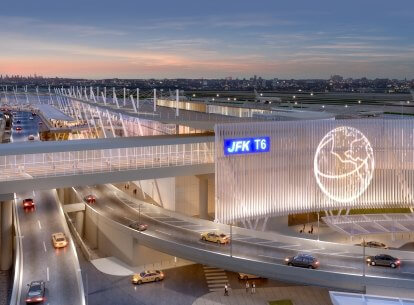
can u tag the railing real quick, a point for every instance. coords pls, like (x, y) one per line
(53, 164)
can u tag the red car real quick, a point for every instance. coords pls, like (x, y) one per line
(90, 199)
(28, 203)
(18, 128)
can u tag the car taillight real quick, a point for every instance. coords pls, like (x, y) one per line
(286, 259)
(28, 300)
(397, 262)
(39, 299)
(316, 263)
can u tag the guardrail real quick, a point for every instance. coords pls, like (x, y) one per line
(18, 262)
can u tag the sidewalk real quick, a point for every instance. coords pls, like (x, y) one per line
(299, 295)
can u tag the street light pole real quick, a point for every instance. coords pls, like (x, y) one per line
(318, 226)
(363, 258)
(231, 239)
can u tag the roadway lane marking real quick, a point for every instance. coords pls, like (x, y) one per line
(407, 272)
(44, 246)
(47, 274)
(339, 266)
(128, 218)
(313, 250)
(273, 257)
(287, 246)
(205, 230)
(40, 226)
(111, 208)
(213, 270)
(163, 232)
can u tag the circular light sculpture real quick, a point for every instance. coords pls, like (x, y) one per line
(344, 164)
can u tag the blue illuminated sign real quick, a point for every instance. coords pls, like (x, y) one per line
(246, 146)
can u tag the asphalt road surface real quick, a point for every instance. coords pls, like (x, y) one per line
(41, 261)
(29, 125)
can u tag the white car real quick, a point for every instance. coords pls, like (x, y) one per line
(246, 276)
(31, 137)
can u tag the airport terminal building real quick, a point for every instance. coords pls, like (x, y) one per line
(279, 168)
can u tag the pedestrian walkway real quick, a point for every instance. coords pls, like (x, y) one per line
(299, 295)
(216, 278)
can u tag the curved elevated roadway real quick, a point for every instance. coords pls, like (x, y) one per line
(260, 253)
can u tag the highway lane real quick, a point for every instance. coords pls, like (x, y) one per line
(41, 261)
(119, 207)
(28, 123)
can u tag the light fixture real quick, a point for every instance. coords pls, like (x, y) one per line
(344, 177)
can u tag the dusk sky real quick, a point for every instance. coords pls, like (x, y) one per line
(210, 39)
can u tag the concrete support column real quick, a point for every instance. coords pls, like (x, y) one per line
(203, 198)
(6, 248)
(79, 222)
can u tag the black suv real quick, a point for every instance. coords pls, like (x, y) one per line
(383, 260)
(303, 260)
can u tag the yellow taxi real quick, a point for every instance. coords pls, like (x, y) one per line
(214, 237)
(59, 240)
(147, 276)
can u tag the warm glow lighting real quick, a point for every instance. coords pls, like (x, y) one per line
(314, 166)
(344, 164)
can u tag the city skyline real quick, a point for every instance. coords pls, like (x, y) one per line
(212, 40)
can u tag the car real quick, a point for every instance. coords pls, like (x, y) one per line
(40, 123)
(18, 128)
(246, 276)
(383, 260)
(59, 240)
(374, 244)
(31, 118)
(90, 198)
(18, 122)
(214, 237)
(31, 137)
(28, 203)
(138, 226)
(36, 292)
(303, 260)
(33, 113)
(147, 276)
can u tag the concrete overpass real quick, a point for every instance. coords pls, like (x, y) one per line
(46, 165)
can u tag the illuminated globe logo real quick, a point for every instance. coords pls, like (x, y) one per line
(344, 164)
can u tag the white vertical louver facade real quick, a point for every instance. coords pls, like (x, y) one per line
(315, 166)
